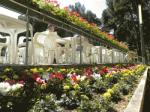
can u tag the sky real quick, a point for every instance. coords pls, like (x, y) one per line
(96, 6)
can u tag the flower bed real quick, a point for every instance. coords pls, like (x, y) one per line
(88, 89)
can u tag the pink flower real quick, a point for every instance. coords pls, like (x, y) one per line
(21, 82)
(40, 81)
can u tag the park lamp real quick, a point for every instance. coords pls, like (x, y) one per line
(140, 14)
(141, 33)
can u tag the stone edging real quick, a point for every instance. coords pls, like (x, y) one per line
(136, 102)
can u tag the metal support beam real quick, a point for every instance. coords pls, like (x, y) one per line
(142, 44)
(27, 37)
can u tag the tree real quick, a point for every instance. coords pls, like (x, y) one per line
(122, 16)
(88, 15)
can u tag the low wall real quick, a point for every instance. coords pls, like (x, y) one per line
(20, 67)
(136, 102)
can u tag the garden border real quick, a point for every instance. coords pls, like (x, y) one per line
(136, 102)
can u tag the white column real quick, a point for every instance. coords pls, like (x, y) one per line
(100, 56)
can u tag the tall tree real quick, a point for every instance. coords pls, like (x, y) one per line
(122, 16)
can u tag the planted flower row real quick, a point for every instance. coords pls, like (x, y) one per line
(84, 90)
(76, 19)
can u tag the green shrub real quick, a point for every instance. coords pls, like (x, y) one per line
(124, 88)
(99, 86)
(98, 104)
(112, 79)
(70, 100)
(116, 95)
(47, 103)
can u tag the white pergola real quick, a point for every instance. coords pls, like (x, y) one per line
(12, 27)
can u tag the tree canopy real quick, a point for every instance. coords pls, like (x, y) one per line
(87, 14)
(122, 17)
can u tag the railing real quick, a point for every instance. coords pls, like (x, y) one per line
(21, 6)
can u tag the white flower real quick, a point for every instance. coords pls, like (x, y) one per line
(4, 88)
(16, 87)
(78, 77)
(96, 76)
(69, 75)
(83, 78)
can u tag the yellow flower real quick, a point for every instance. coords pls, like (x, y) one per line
(66, 87)
(76, 86)
(41, 70)
(109, 75)
(43, 86)
(110, 91)
(106, 95)
(62, 70)
(115, 87)
(49, 69)
(125, 74)
(7, 70)
(34, 70)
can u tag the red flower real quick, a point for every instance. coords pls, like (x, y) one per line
(103, 71)
(74, 78)
(53, 2)
(59, 76)
(66, 8)
(56, 75)
(88, 72)
(93, 24)
(35, 76)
